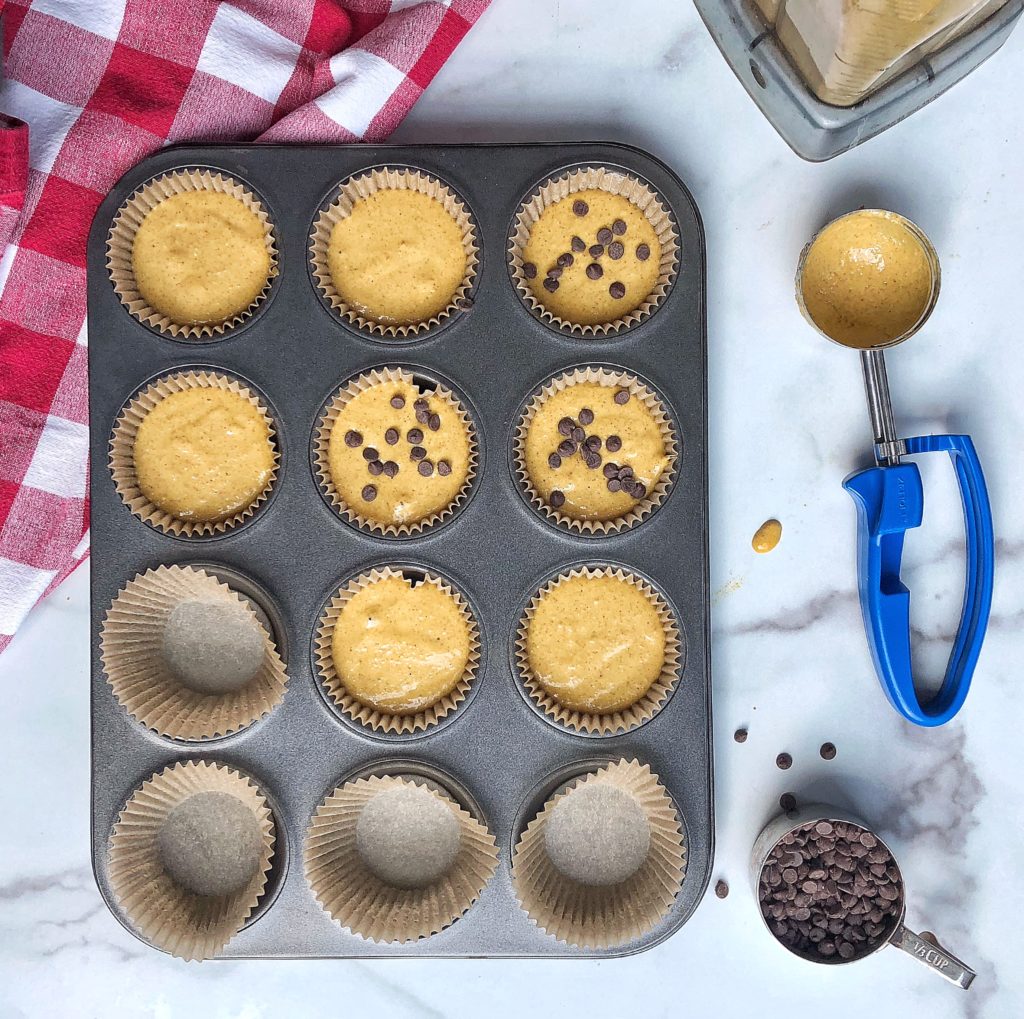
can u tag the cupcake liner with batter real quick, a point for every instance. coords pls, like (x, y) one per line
(604, 916)
(372, 718)
(359, 900)
(171, 917)
(616, 182)
(361, 186)
(131, 641)
(122, 457)
(129, 218)
(616, 722)
(321, 450)
(616, 380)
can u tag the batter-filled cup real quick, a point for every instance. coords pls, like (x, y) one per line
(603, 860)
(192, 253)
(395, 253)
(593, 251)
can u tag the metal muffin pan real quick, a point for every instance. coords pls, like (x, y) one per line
(499, 752)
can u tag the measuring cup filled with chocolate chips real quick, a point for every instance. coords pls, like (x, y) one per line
(869, 280)
(830, 891)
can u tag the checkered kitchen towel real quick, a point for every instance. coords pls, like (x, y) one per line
(101, 84)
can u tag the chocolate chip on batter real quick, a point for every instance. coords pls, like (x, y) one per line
(622, 396)
(567, 447)
(614, 485)
(604, 235)
(529, 270)
(643, 252)
(566, 425)
(580, 207)
(414, 435)
(619, 227)
(554, 273)
(421, 403)
(422, 415)
(444, 468)
(370, 453)
(625, 472)
(616, 250)
(375, 467)
(595, 250)
(426, 468)
(398, 401)
(578, 244)
(594, 271)
(391, 436)
(617, 290)
(613, 443)
(556, 499)
(417, 453)
(434, 422)
(390, 468)
(578, 435)
(611, 470)
(565, 260)
(593, 443)
(554, 461)
(369, 493)
(591, 459)
(353, 438)
(550, 285)
(784, 762)
(586, 416)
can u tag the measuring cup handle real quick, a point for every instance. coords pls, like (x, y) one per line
(933, 956)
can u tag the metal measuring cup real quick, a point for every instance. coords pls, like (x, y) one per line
(899, 935)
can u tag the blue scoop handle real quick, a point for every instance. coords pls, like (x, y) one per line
(890, 500)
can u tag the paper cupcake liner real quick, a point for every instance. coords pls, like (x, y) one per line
(604, 916)
(322, 439)
(617, 380)
(382, 721)
(170, 917)
(129, 218)
(122, 448)
(366, 184)
(615, 182)
(131, 641)
(359, 900)
(615, 722)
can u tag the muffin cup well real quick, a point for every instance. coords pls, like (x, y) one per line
(383, 722)
(618, 380)
(613, 723)
(321, 450)
(616, 182)
(187, 925)
(356, 188)
(122, 452)
(604, 916)
(359, 900)
(131, 640)
(129, 218)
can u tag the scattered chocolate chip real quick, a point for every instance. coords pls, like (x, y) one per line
(390, 468)
(369, 493)
(616, 250)
(594, 271)
(614, 485)
(550, 285)
(426, 468)
(375, 467)
(566, 425)
(625, 471)
(788, 802)
(721, 888)
(434, 422)
(586, 416)
(529, 270)
(353, 439)
(593, 443)
(604, 235)
(740, 735)
(578, 244)
(391, 436)
(828, 751)
(567, 447)
(554, 273)
(643, 252)
(580, 207)
(611, 470)
(565, 260)
(422, 415)
(417, 453)
(613, 443)
(444, 468)
(595, 250)
(784, 761)
(370, 453)
(639, 490)
(556, 499)
(398, 401)
(617, 290)
(414, 435)
(578, 435)
(421, 403)
(622, 396)
(619, 227)
(591, 459)
(554, 461)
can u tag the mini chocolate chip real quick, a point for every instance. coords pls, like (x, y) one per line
(625, 471)
(721, 889)
(567, 447)
(619, 227)
(611, 470)
(593, 443)
(639, 490)
(586, 416)
(370, 453)
(580, 207)
(578, 435)
(614, 485)
(414, 435)
(613, 443)
(529, 270)
(390, 468)
(592, 460)
(643, 252)
(417, 453)
(375, 467)
(422, 415)
(550, 285)
(398, 401)
(554, 461)
(622, 396)
(444, 468)
(578, 243)
(566, 425)
(391, 436)
(740, 735)
(353, 439)
(594, 271)
(827, 751)
(426, 468)
(557, 499)
(595, 250)
(554, 273)
(565, 260)
(369, 493)
(617, 290)
(616, 250)
(421, 403)
(784, 761)
(434, 422)
(604, 235)
(788, 802)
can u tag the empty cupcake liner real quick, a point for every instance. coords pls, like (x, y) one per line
(168, 916)
(350, 192)
(131, 641)
(604, 916)
(359, 900)
(122, 453)
(129, 218)
(615, 380)
(616, 182)
(321, 448)
(371, 717)
(615, 722)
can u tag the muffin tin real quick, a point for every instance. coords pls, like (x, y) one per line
(496, 754)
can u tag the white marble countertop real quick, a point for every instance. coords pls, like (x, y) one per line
(788, 421)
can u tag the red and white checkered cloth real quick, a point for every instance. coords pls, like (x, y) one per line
(102, 84)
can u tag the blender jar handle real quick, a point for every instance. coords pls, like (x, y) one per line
(934, 956)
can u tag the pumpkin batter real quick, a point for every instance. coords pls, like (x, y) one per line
(400, 648)
(595, 643)
(397, 258)
(389, 463)
(867, 279)
(604, 252)
(624, 434)
(203, 454)
(200, 256)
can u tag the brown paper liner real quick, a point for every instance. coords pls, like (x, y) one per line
(618, 721)
(370, 717)
(131, 640)
(604, 916)
(616, 380)
(322, 439)
(170, 917)
(616, 182)
(355, 188)
(129, 218)
(359, 900)
(122, 459)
